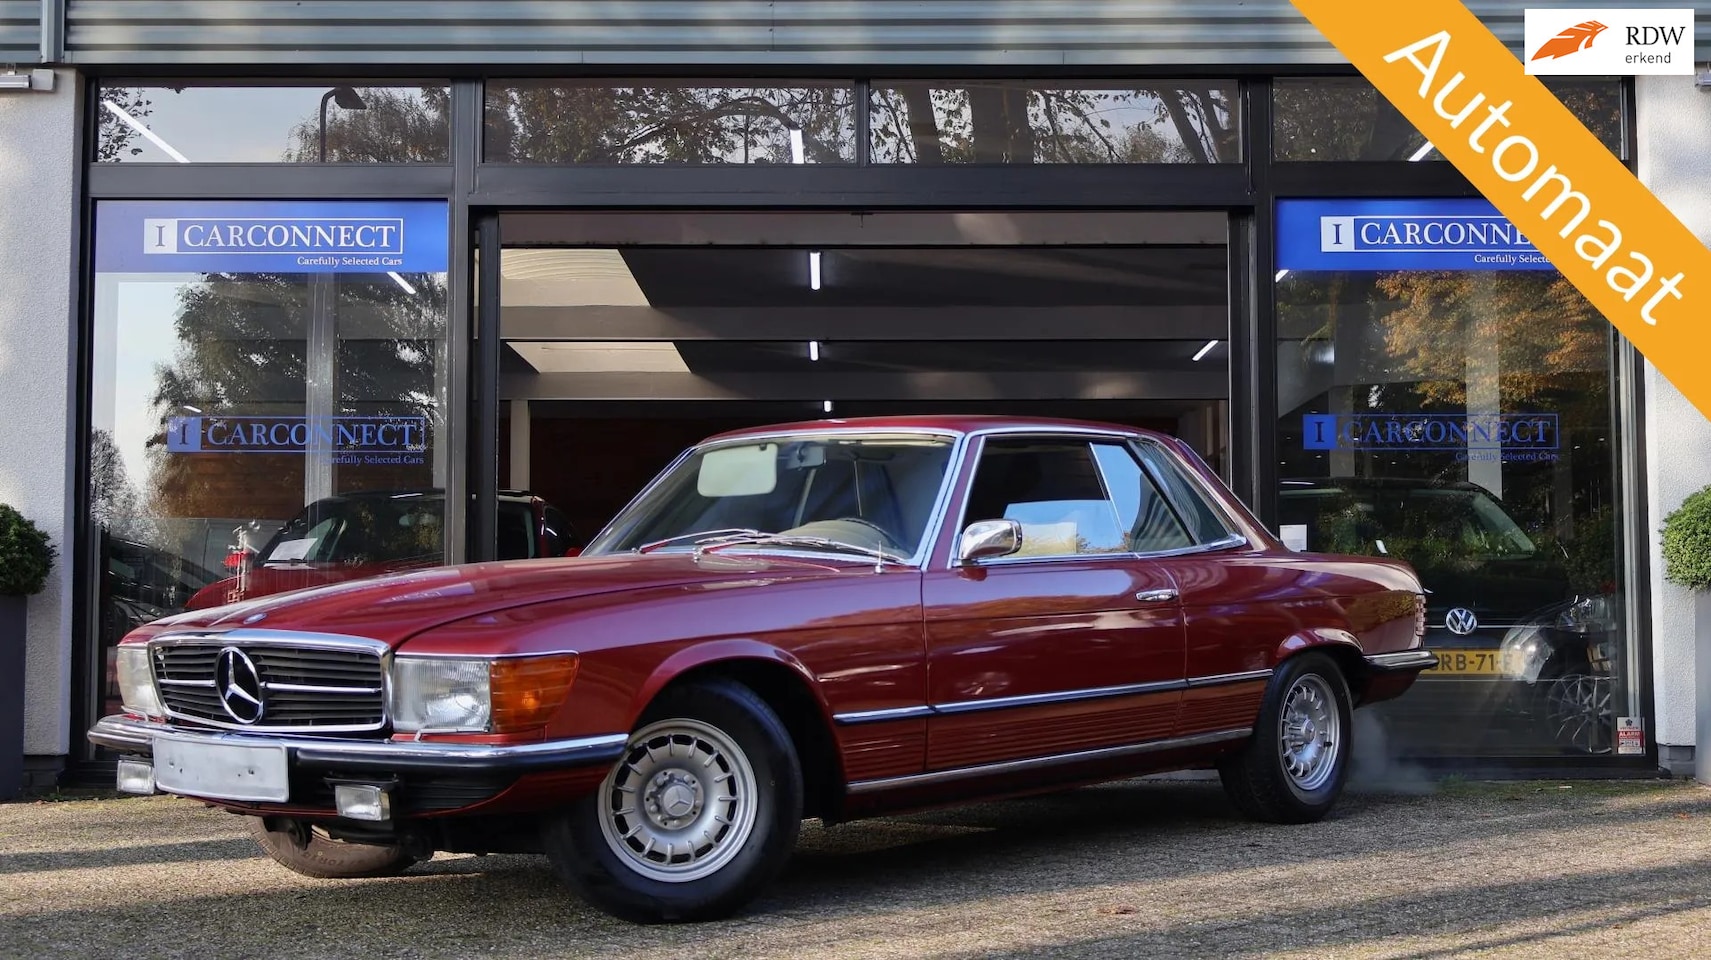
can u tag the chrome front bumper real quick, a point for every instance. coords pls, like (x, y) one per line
(136, 738)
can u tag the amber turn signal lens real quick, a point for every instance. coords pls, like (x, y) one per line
(526, 690)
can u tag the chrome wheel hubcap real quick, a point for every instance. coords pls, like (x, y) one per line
(1310, 738)
(681, 803)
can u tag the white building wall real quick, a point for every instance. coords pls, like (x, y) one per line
(38, 210)
(1674, 135)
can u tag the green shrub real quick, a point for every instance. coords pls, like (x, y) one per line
(26, 556)
(1687, 542)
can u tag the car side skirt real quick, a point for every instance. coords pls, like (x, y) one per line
(1049, 762)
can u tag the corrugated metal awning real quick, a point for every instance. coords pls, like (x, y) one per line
(725, 35)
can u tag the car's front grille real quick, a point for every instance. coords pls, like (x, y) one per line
(300, 688)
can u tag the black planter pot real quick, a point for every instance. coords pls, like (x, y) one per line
(12, 611)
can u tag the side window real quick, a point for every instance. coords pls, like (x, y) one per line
(1204, 524)
(1054, 489)
(1145, 515)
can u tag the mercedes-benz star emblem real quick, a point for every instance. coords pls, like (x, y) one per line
(1461, 621)
(239, 685)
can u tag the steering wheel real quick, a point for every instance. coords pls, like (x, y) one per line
(890, 539)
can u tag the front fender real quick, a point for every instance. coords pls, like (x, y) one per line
(729, 651)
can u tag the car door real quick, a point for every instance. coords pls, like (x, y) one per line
(1237, 604)
(1071, 644)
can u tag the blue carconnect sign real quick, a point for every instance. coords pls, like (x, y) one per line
(1428, 431)
(1442, 234)
(395, 236)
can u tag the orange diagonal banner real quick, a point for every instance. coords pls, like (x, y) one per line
(1539, 166)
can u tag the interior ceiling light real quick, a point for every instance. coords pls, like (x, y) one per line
(814, 270)
(797, 154)
(401, 282)
(147, 134)
(1206, 349)
(813, 349)
(826, 405)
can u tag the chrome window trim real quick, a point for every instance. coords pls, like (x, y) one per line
(1050, 760)
(1233, 540)
(260, 636)
(1197, 487)
(1090, 434)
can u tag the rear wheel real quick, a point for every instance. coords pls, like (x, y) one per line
(698, 815)
(310, 852)
(1293, 769)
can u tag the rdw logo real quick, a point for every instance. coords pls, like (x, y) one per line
(1573, 40)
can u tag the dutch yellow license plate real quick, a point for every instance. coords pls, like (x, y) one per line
(1467, 663)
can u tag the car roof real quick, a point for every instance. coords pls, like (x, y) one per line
(942, 423)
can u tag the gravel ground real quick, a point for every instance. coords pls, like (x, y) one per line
(1154, 868)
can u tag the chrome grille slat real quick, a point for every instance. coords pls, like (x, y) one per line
(306, 687)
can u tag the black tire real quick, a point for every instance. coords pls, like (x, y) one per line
(719, 718)
(1257, 777)
(327, 859)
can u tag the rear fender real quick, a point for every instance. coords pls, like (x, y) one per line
(1339, 644)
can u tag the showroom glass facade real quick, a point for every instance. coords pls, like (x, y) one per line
(1530, 528)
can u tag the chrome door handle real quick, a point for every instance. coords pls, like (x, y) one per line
(1156, 596)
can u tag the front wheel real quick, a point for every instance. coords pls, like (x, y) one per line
(700, 813)
(1293, 769)
(310, 852)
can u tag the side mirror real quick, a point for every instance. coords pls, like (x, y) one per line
(989, 538)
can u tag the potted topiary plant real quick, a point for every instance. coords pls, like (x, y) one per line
(1687, 561)
(26, 557)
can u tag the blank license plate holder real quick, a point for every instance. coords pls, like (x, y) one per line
(223, 769)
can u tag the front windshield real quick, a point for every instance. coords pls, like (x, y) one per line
(872, 492)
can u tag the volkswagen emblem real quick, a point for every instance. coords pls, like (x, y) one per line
(239, 685)
(1460, 621)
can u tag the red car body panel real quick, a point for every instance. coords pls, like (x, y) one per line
(956, 652)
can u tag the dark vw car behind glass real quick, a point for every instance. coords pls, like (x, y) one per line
(1500, 604)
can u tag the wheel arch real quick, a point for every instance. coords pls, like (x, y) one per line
(787, 686)
(1343, 649)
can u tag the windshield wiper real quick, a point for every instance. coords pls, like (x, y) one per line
(879, 554)
(724, 533)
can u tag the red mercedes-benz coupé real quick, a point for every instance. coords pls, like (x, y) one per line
(834, 619)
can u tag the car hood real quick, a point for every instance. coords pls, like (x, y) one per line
(1499, 592)
(395, 607)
